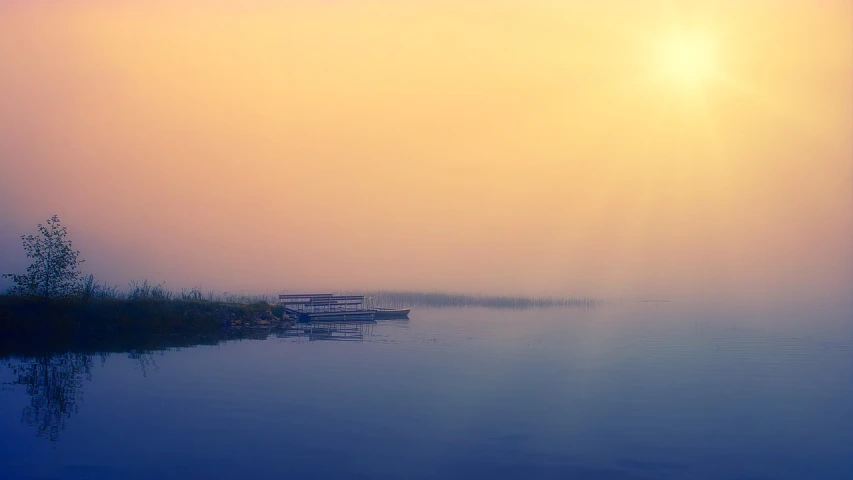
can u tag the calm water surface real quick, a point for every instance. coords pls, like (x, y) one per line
(639, 392)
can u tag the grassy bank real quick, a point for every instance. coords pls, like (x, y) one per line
(121, 324)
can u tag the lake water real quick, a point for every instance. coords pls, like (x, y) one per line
(621, 392)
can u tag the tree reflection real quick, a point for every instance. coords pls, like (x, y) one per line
(54, 385)
(53, 375)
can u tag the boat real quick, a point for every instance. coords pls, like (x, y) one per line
(385, 313)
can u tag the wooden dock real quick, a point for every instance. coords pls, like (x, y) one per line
(327, 307)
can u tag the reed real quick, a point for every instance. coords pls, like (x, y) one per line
(102, 312)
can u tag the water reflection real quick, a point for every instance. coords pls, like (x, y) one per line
(467, 393)
(54, 379)
(53, 373)
(332, 331)
(54, 385)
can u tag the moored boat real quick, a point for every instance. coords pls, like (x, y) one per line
(392, 312)
(307, 307)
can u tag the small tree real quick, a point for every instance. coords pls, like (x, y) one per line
(55, 270)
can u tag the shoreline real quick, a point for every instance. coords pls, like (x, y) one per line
(31, 325)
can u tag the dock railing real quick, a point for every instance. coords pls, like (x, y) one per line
(322, 302)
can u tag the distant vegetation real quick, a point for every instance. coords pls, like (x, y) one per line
(438, 299)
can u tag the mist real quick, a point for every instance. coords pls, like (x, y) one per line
(262, 149)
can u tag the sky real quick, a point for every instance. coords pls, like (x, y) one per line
(614, 149)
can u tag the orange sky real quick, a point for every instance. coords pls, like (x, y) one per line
(537, 147)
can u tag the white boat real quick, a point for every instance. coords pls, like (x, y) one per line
(392, 312)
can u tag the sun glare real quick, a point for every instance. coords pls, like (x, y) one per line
(687, 60)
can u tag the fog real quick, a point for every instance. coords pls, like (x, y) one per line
(524, 149)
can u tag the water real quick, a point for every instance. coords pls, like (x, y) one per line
(637, 392)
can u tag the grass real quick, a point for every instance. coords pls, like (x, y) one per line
(105, 319)
(144, 290)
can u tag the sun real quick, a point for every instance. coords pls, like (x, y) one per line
(687, 60)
